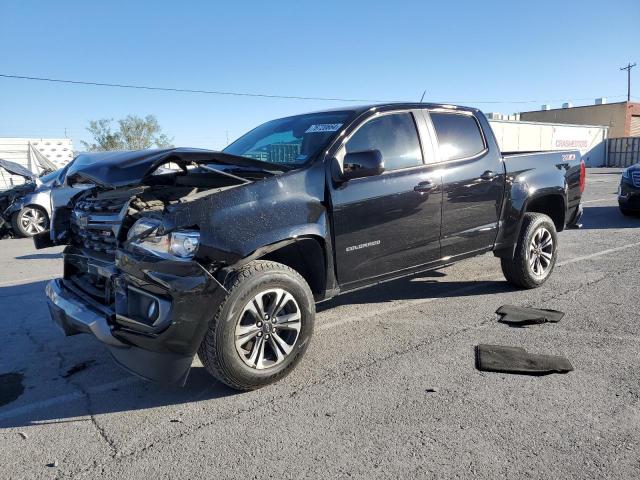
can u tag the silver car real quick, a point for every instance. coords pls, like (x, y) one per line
(25, 210)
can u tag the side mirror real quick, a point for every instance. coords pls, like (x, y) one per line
(362, 164)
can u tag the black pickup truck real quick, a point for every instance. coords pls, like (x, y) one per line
(224, 254)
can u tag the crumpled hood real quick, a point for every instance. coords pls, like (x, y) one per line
(124, 168)
(16, 169)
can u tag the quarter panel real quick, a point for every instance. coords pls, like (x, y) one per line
(530, 177)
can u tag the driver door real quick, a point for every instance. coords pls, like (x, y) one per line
(389, 222)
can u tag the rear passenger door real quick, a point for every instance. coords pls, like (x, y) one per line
(472, 183)
(388, 222)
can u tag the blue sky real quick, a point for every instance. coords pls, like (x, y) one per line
(467, 52)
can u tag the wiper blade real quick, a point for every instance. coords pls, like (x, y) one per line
(253, 170)
(225, 174)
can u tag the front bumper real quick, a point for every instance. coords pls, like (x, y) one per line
(629, 196)
(73, 315)
(160, 350)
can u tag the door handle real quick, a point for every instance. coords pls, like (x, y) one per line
(425, 187)
(488, 175)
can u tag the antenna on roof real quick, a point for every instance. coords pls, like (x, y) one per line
(422, 97)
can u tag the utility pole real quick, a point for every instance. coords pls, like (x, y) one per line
(628, 69)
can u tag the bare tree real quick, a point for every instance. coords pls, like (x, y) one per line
(134, 133)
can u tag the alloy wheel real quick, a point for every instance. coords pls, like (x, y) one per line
(33, 221)
(268, 328)
(541, 251)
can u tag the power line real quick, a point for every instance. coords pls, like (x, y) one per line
(187, 90)
(265, 95)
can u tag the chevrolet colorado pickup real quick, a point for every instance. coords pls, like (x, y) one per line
(224, 254)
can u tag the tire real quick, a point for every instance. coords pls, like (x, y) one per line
(523, 270)
(255, 287)
(29, 221)
(627, 212)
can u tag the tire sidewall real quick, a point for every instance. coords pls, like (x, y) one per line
(233, 307)
(538, 222)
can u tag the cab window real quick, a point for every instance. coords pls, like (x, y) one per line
(394, 135)
(458, 135)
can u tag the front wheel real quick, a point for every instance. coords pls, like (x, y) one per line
(536, 252)
(261, 329)
(29, 221)
(627, 212)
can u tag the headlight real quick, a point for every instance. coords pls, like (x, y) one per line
(179, 244)
(626, 173)
(143, 227)
(184, 243)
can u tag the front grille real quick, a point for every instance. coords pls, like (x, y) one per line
(98, 240)
(636, 178)
(96, 222)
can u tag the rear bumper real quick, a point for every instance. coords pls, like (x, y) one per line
(574, 221)
(161, 350)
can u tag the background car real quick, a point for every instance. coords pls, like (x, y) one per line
(25, 210)
(629, 191)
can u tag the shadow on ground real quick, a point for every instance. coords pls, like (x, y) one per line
(86, 367)
(123, 392)
(40, 256)
(421, 286)
(596, 218)
(126, 396)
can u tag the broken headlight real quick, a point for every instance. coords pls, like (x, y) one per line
(179, 244)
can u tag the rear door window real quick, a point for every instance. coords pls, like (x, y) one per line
(458, 135)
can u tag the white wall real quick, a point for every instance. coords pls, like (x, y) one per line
(58, 150)
(524, 136)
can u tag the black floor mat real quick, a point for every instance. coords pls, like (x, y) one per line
(498, 358)
(520, 316)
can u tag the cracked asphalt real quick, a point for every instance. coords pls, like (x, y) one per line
(388, 388)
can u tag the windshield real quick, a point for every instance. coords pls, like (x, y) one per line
(291, 141)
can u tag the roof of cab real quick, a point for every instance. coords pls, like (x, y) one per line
(359, 109)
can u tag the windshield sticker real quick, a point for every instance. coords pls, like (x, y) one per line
(324, 127)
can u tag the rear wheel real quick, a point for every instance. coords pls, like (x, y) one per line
(261, 329)
(29, 221)
(535, 255)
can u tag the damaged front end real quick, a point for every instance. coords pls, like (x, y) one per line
(149, 304)
(10, 198)
(150, 313)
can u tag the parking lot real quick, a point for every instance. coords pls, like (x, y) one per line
(388, 388)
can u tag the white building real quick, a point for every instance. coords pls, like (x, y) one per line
(35, 154)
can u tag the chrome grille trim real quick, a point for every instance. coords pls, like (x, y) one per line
(96, 223)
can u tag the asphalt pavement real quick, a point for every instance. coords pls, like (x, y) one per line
(388, 388)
